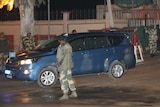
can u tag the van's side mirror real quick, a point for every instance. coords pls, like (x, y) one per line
(54, 50)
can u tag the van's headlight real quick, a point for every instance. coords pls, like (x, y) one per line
(25, 62)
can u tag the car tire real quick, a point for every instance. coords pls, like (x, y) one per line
(116, 70)
(47, 77)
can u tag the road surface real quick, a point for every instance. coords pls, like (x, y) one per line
(139, 87)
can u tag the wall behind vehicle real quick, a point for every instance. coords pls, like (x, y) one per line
(57, 26)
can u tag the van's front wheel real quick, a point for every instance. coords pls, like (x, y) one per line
(47, 77)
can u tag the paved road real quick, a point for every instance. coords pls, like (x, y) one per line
(140, 87)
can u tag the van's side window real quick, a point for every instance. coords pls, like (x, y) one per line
(95, 42)
(78, 44)
(115, 40)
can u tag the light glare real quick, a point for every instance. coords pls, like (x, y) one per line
(9, 4)
(27, 61)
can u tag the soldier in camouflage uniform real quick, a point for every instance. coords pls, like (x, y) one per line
(27, 43)
(4, 51)
(152, 40)
(64, 65)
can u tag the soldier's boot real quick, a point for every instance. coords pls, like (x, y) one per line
(64, 97)
(73, 94)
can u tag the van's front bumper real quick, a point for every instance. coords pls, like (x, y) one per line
(24, 73)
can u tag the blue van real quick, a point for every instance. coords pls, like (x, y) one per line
(100, 52)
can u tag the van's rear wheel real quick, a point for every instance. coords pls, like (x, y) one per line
(47, 77)
(116, 70)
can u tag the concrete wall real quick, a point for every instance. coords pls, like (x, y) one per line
(57, 27)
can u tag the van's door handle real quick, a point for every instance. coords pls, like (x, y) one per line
(82, 53)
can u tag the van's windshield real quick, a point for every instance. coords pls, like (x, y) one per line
(47, 45)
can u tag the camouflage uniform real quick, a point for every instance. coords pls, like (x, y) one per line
(3, 58)
(4, 51)
(27, 43)
(65, 64)
(152, 40)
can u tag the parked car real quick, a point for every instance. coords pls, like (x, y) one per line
(100, 52)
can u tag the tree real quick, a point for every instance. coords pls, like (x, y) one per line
(26, 9)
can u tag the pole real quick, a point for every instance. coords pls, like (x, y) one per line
(104, 14)
(48, 19)
(133, 21)
(132, 9)
(110, 13)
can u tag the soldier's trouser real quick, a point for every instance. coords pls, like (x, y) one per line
(66, 81)
(158, 45)
(3, 58)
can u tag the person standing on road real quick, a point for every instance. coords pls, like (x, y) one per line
(152, 40)
(64, 65)
(4, 51)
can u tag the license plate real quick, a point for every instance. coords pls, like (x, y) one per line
(9, 76)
